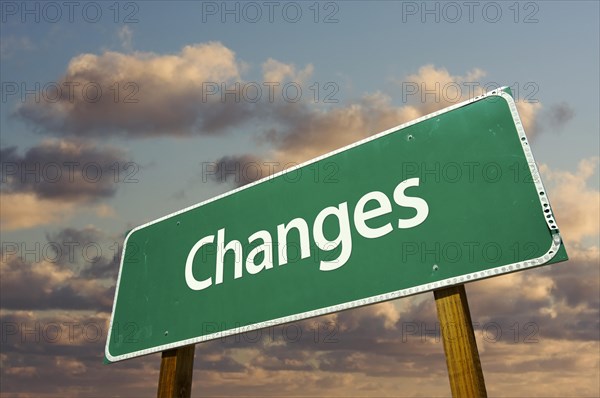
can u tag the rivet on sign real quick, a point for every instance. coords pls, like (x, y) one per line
(435, 267)
(166, 332)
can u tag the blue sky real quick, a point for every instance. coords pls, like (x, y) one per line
(366, 56)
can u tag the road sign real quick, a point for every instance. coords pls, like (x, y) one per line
(452, 197)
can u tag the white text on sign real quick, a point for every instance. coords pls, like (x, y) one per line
(344, 238)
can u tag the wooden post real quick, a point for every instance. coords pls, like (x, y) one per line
(176, 368)
(462, 357)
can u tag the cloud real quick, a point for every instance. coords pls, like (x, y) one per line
(49, 286)
(53, 180)
(537, 119)
(126, 37)
(26, 210)
(105, 211)
(559, 301)
(73, 269)
(240, 170)
(59, 353)
(307, 132)
(11, 45)
(513, 350)
(433, 88)
(553, 365)
(279, 72)
(141, 94)
(301, 131)
(61, 169)
(371, 350)
(557, 116)
(96, 254)
(200, 90)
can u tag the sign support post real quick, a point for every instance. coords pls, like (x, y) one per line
(462, 357)
(176, 368)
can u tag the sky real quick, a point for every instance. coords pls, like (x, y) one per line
(117, 113)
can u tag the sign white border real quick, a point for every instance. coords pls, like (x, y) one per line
(542, 195)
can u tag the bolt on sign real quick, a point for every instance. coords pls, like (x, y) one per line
(452, 197)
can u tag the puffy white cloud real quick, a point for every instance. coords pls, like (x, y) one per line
(276, 71)
(308, 132)
(26, 210)
(434, 88)
(138, 94)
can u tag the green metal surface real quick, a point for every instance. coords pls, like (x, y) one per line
(487, 215)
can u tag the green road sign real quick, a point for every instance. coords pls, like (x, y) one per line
(449, 198)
